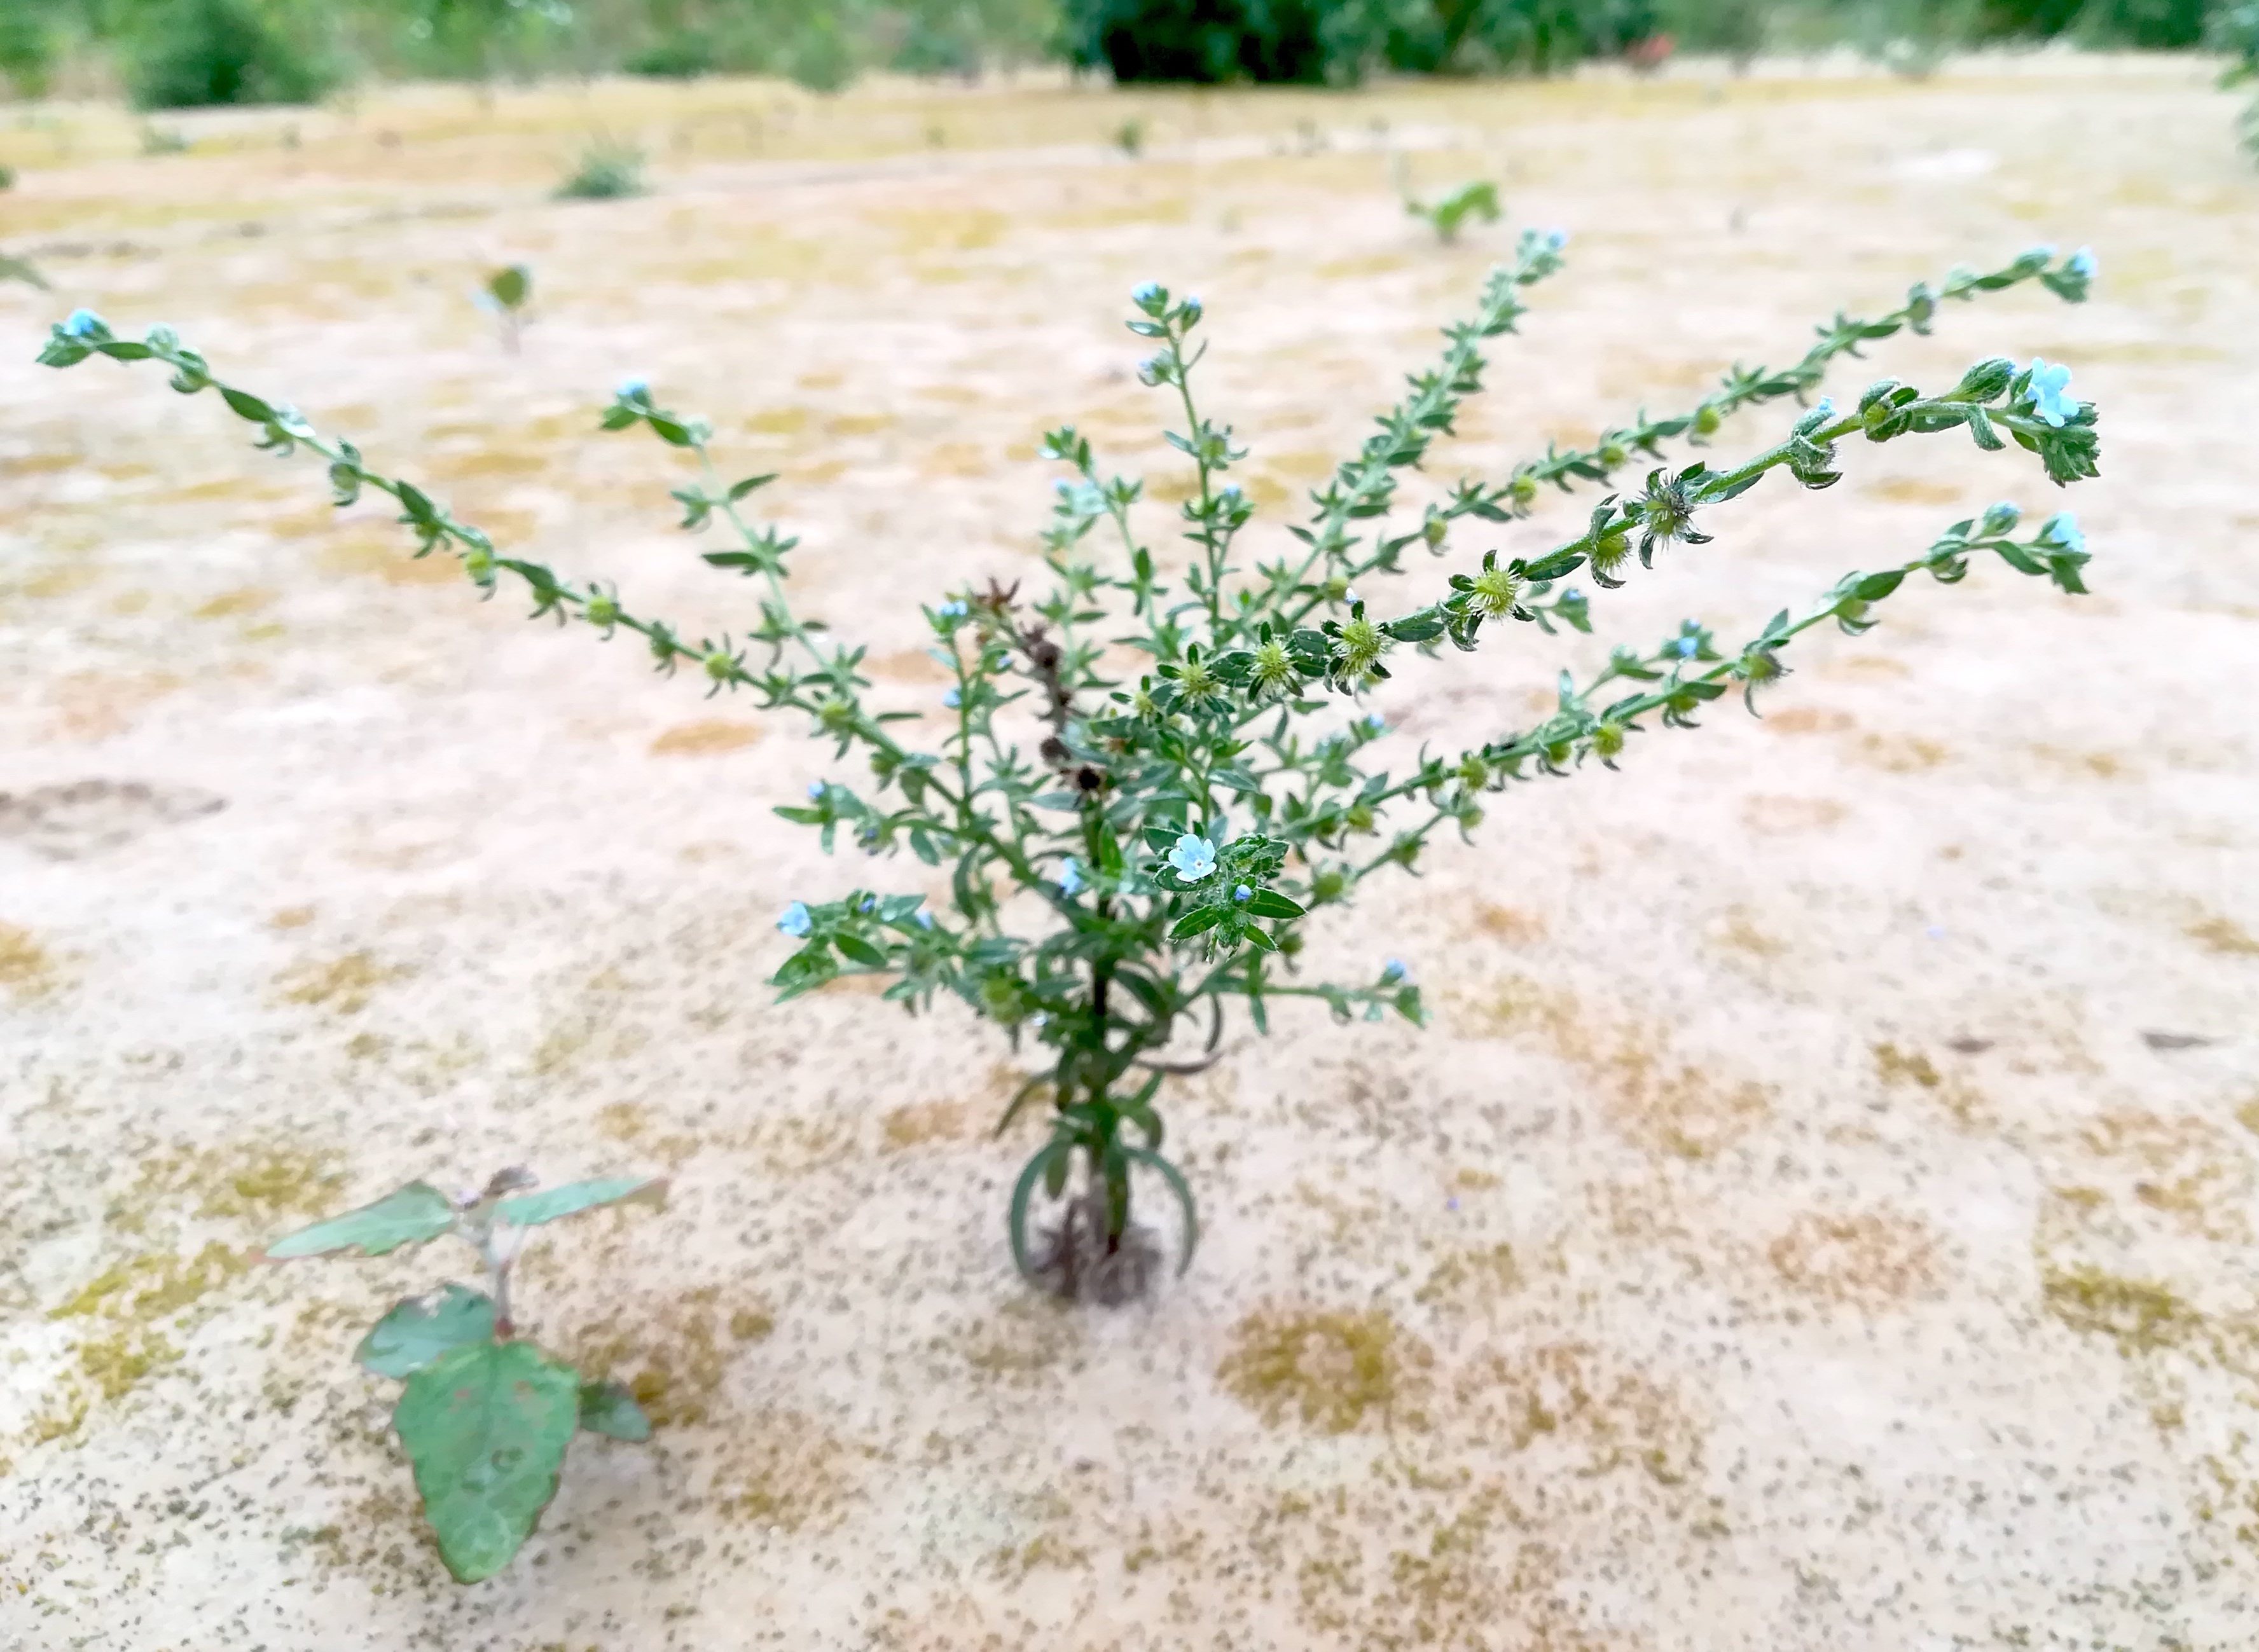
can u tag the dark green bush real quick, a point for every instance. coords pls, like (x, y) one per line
(189, 53)
(1198, 41)
(2168, 25)
(1342, 40)
(29, 31)
(683, 55)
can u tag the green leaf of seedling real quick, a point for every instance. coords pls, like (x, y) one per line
(410, 1216)
(420, 1329)
(248, 406)
(607, 1408)
(739, 490)
(511, 287)
(861, 952)
(530, 1210)
(486, 1427)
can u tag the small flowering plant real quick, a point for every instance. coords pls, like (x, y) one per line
(1144, 777)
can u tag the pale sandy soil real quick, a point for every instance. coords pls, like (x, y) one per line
(1787, 1237)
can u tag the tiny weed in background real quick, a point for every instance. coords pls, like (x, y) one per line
(605, 171)
(505, 296)
(1468, 202)
(484, 1416)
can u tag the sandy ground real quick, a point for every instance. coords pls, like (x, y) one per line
(1821, 1216)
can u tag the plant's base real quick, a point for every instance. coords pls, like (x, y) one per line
(1073, 1262)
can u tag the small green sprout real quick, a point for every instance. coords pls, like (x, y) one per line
(484, 1416)
(1129, 137)
(505, 296)
(1451, 214)
(605, 171)
(19, 269)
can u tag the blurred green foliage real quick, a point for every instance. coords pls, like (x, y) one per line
(173, 53)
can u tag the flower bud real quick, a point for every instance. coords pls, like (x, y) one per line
(2000, 519)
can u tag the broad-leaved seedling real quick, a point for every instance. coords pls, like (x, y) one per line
(1143, 778)
(505, 296)
(484, 1416)
(1451, 214)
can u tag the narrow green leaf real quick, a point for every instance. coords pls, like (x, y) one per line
(409, 1216)
(1195, 923)
(1269, 903)
(528, 1210)
(420, 1329)
(486, 1427)
(607, 1408)
(1023, 1190)
(1176, 1181)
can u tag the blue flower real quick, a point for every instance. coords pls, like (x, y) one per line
(2049, 392)
(1193, 856)
(633, 389)
(1555, 239)
(795, 920)
(84, 324)
(2061, 531)
(1376, 723)
(2082, 264)
(952, 700)
(1071, 882)
(1688, 647)
(1826, 407)
(1394, 971)
(925, 920)
(1150, 293)
(952, 610)
(815, 791)
(1242, 895)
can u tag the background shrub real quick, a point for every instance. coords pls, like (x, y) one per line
(182, 52)
(188, 53)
